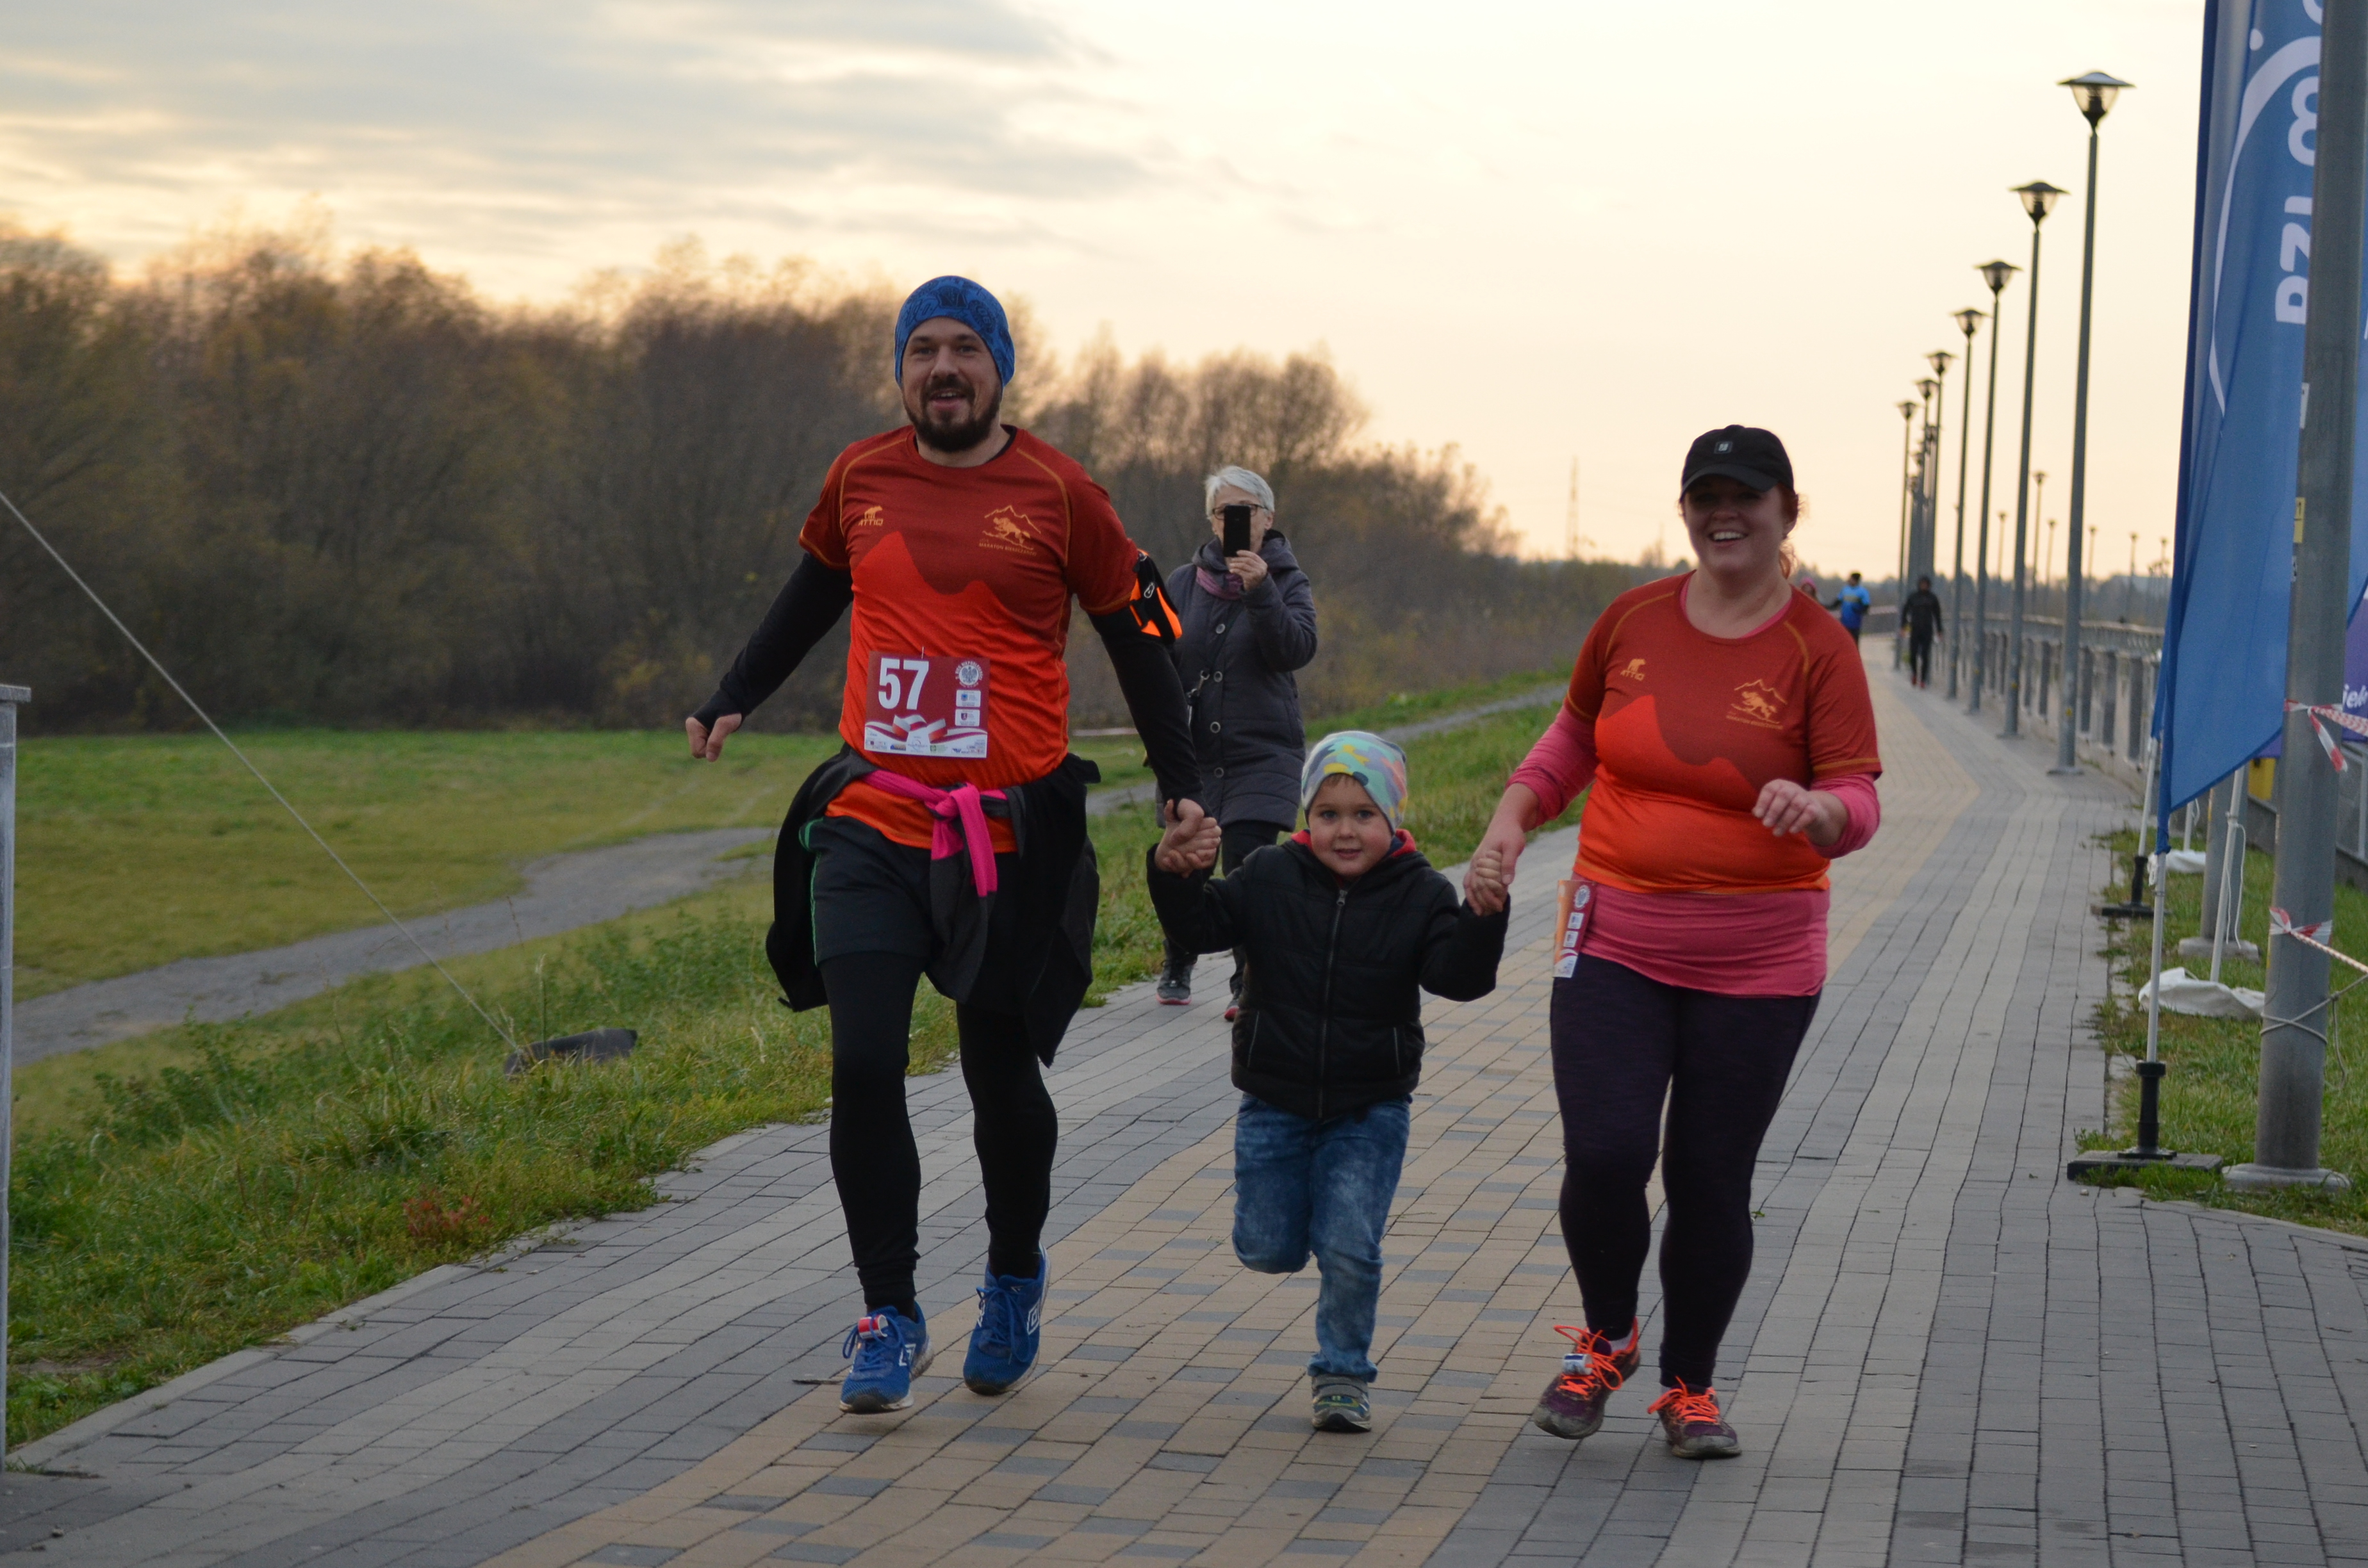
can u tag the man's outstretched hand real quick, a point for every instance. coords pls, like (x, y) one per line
(1190, 843)
(706, 744)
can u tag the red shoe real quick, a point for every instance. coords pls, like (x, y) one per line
(1572, 1406)
(1695, 1430)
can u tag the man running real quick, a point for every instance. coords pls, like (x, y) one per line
(1921, 613)
(949, 837)
(1849, 604)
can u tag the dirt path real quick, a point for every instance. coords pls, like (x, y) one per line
(562, 893)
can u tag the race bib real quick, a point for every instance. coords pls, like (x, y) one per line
(1572, 909)
(925, 706)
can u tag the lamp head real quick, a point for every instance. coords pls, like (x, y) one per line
(1997, 274)
(2039, 199)
(2094, 94)
(1939, 360)
(1969, 322)
(1906, 409)
(1928, 386)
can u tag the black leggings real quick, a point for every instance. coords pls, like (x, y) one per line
(1622, 1044)
(872, 1156)
(1919, 659)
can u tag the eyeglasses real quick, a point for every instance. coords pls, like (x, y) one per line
(1254, 508)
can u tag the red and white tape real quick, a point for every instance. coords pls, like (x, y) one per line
(2321, 715)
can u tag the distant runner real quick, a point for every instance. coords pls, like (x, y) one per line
(1725, 725)
(1849, 604)
(949, 837)
(1922, 615)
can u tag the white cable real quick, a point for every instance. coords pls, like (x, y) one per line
(208, 721)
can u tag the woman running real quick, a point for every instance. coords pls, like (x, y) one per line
(1722, 717)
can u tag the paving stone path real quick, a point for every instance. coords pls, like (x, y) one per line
(1948, 1354)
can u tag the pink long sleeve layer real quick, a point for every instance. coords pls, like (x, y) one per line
(1753, 944)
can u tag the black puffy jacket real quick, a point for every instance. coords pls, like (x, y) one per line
(1331, 1018)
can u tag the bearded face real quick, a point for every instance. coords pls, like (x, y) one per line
(952, 394)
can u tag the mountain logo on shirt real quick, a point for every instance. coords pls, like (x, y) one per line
(873, 517)
(1760, 704)
(1632, 670)
(1007, 531)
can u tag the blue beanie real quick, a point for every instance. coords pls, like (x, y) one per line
(958, 299)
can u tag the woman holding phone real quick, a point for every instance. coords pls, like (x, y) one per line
(1249, 623)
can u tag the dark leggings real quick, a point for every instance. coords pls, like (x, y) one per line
(872, 1156)
(1622, 1044)
(1919, 659)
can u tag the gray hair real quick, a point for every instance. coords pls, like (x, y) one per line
(1240, 479)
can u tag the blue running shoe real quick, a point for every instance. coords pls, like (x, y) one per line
(1010, 1319)
(889, 1350)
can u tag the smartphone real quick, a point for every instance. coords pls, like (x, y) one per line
(1237, 529)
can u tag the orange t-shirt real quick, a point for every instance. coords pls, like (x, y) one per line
(1689, 727)
(955, 663)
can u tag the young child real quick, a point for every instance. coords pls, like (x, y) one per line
(1342, 927)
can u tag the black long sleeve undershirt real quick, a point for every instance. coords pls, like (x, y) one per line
(808, 606)
(811, 603)
(1154, 701)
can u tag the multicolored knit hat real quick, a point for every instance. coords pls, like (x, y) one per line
(1379, 765)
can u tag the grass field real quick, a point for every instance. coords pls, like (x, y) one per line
(2210, 1093)
(183, 1194)
(138, 850)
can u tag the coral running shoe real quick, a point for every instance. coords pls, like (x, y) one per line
(1572, 1406)
(889, 1350)
(1010, 1319)
(1695, 1430)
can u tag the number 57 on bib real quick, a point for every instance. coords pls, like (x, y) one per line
(923, 705)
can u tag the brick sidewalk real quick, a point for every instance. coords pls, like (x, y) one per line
(1947, 1353)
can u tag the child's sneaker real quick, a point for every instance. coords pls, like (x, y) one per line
(1342, 1405)
(889, 1350)
(1573, 1405)
(1011, 1316)
(1174, 988)
(1695, 1430)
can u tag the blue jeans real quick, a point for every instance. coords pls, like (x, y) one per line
(1302, 1186)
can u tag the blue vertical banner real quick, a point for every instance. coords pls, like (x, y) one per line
(2221, 695)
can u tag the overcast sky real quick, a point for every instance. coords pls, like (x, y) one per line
(1539, 231)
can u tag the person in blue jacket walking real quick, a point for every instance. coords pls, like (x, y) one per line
(1250, 625)
(1849, 604)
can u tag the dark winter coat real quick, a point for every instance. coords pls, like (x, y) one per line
(1235, 658)
(1922, 614)
(1331, 1018)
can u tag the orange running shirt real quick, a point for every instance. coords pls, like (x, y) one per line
(955, 663)
(1689, 727)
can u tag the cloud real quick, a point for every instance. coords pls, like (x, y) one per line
(916, 114)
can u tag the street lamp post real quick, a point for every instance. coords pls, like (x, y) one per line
(1996, 274)
(1907, 430)
(1919, 519)
(2094, 94)
(1969, 321)
(2039, 199)
(1922, 560)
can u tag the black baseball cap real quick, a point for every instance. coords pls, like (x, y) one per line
(1739, 452)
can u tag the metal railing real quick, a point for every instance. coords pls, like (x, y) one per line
(2115, 692)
